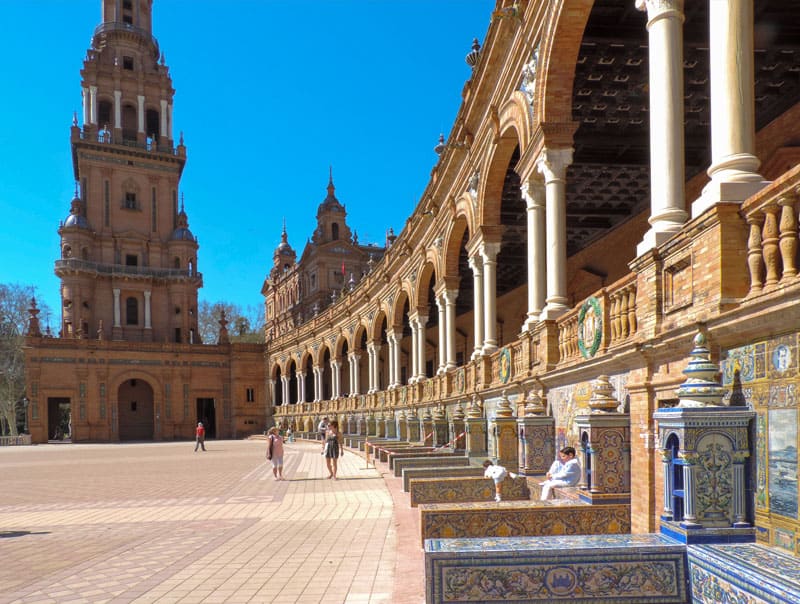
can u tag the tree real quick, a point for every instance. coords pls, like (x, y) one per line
(244, 325)
(15, 300)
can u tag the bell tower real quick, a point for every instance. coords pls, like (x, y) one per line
(128, 264)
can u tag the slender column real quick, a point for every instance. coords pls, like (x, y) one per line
(355, 359)
(689, 515)
(371, 367)
(116, 308)
(93, 105)
(422, 321)
(140, 99)
(733, 160)
(412, 321)
(533, 193)
(669, 486)
(87, 106)
(315, 374)
(163, 118)
(336, 386)
(397, 335)
(553, 165)
(117, 109)
(301, 387)
(442, 344)
(667, 201)
(477, 290)
(147, 324)
(489, 253)
(391, 340)
(285, 389)
(449, 296)
(169, 122)
(739, 486)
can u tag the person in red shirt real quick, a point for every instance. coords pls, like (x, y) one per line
(200, 437)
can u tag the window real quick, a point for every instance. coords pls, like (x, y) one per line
(131, 260)
(251, 395)
(152, 124)
(127, 4)
(106, 201)
(334, 231)
(127, 63)
(130, 201)
(153, 212)
(131, 311)
(178, 335)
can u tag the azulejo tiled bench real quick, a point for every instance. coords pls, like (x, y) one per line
(521, 519)
(395, 455)
(616, 569)
(429, 462)
(465, 489)
(447, 471)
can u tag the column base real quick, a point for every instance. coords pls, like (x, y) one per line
(653, 239)
(488, 348)
(718, 192)
(530, 323)
(553, 311)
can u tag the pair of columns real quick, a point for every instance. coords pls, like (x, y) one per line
(483, 263)
(733, 160)
(446, 305)
(118, 310)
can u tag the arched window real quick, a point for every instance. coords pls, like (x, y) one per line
(131, 311)
(104, 114)
(152, 124)
(129, 123)
(334, 231)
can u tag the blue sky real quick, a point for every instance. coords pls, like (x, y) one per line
(268, 95)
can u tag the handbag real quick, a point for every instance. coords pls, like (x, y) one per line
(271, 442)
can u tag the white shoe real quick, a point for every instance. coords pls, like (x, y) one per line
(497, 498)
(513, 475)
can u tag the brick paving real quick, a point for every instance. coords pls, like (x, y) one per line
(157, 522)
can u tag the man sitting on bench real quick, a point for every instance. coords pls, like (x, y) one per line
(565, 472)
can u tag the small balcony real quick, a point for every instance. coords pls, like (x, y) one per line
(74, 265)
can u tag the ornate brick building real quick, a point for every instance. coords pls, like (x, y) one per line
(128, 363)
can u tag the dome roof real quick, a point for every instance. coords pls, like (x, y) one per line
(283, 246)
(76, 219)
(330, 203)
(182, 232)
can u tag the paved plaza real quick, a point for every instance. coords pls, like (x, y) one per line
(157, 522)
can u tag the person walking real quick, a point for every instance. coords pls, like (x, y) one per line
(333, 448)
(322, 427)
(275, 452)
(200, 437)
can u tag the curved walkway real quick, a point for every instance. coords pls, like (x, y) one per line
(156, 522)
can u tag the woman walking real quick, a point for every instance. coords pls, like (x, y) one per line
(333, 448)
(275, 452)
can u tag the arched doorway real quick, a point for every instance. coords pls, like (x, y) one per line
(135, 405)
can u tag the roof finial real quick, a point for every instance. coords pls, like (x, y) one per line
(331, 188)
(182, 201)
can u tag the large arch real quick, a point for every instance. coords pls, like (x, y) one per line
(136, 408)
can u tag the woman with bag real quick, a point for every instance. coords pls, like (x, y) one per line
(333, 448)
(275, 452)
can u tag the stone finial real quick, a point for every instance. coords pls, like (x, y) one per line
(534, 405)
(458, 413)
(439, 414)
(475, 409)
(402, 415)
(223, 329)
(504, 407)
(33, 320)
(602, 400)
(412, 415)
(701, 388)
(427, 417)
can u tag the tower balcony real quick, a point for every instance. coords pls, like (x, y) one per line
(118, 29)
(74, 266)
(107, 138)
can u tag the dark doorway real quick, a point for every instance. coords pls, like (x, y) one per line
(206, 414)
(59, 419)
(135, 405)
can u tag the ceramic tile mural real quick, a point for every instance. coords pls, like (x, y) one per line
(464, 489)
(765, 376)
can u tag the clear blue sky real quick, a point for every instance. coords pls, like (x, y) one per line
(268, 95)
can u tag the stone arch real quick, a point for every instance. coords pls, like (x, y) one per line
(452, 246)
(561, 40)
(377, 321)
(491, 199)
(135, 393)
(515, 115)
(396, 313)
(425, 275)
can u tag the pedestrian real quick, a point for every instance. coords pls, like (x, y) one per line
(565, 474)
(333, 448)
(322, 428)
(290, 434)
(275, 452)
(497, 473)
(200, 437)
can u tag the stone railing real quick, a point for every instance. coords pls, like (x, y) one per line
(19, 439)
(74, 264)
(772, 218)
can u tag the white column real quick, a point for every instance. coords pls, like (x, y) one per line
(477, 290)
(397, 336)
(285, 389)
(87, 106)
(370, 367)
(489, 253)
(335, 390)
(412, 322)
(163, 117)
(553, 165)
(450, 296)
(534, 195)
(301, 387)
(442, 344)
(390, 340)
(667, 178)
(271, 386)
(356, 373)
(169, 123)
(116, 308)
(140, 102)
(93, 105)
(319, 393)
(117, 109)
(147, 324)
(422, 321)
(733, 160)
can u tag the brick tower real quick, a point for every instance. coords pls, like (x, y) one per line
(128, 265)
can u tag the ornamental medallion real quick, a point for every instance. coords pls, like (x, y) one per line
(590, 327)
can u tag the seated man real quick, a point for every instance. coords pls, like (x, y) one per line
(567, 473)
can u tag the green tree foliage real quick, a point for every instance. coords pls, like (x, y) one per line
(15, 300)
(244, 324)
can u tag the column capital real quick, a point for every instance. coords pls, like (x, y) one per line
(553, 163)
(489, 251)
(533, 192)
(147, 293)
(657, 9)
(449, 296)
(476, 265)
